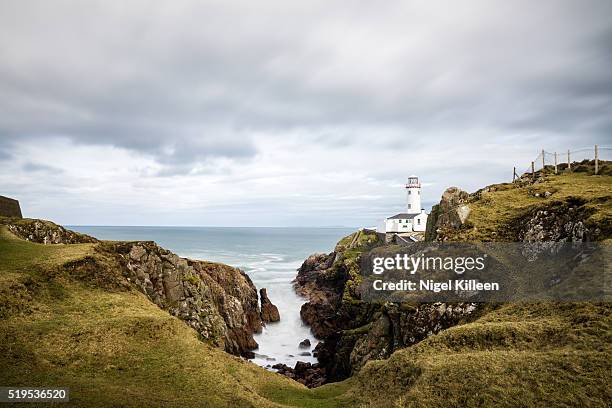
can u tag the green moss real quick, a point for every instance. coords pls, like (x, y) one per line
(359, 330)
(194, 280)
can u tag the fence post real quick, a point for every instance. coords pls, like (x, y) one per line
(569, 163)
(513, 173)
(532, 170)
(596, 161)
(543, 161)
(555, 162)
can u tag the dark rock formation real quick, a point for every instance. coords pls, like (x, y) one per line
(311, 375)
(46, 232)
(269, 312)
(9, 207)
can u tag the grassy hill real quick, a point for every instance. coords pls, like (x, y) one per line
(113, 347)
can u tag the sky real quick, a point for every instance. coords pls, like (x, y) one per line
(287, 113)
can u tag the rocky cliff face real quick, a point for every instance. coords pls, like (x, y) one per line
(218, 301)
(45, 232)
(354, 332)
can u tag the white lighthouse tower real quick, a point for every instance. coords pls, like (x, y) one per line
(414, 220)
(413, 195)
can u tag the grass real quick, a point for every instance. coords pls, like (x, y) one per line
(526, 355)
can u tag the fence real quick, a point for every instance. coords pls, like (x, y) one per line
(564, 160)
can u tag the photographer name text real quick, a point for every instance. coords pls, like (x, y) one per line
(435, 286)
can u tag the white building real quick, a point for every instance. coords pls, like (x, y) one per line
(414, 219)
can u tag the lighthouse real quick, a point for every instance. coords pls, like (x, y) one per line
(414, 220)
(413, 195)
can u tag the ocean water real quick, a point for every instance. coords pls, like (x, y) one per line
(270, 256)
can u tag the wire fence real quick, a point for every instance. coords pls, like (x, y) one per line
(556, 161)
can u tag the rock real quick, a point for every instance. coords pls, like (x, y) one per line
(463, 211)
(305, 354)
(248, 354)
(304, 343)
(137, 253)
(46, 232)
(547, 229)
(218, 301)
(451, 213)
(311, 375)
(269, 312)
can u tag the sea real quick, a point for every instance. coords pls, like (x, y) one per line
(269, 255)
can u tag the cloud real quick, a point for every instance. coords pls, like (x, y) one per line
(207, 94)
(40, 167)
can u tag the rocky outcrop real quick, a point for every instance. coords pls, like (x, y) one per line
(46, 232)
(559, 222)
(353, 331)
(311, 375)
(269, 312)
(451, 213)
(218, 301)
(402, 325)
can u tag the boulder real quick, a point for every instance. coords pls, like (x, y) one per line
(304, 344)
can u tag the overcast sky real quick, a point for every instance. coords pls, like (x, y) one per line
(277, 113)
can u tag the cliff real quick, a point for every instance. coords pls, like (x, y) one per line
(218, 301)
(569, 207)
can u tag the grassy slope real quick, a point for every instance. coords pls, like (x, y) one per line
(496, 210)
(114, 347)
(526, 355)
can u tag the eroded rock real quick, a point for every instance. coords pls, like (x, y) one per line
(269, 312)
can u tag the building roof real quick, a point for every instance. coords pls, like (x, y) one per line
(403, 216)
